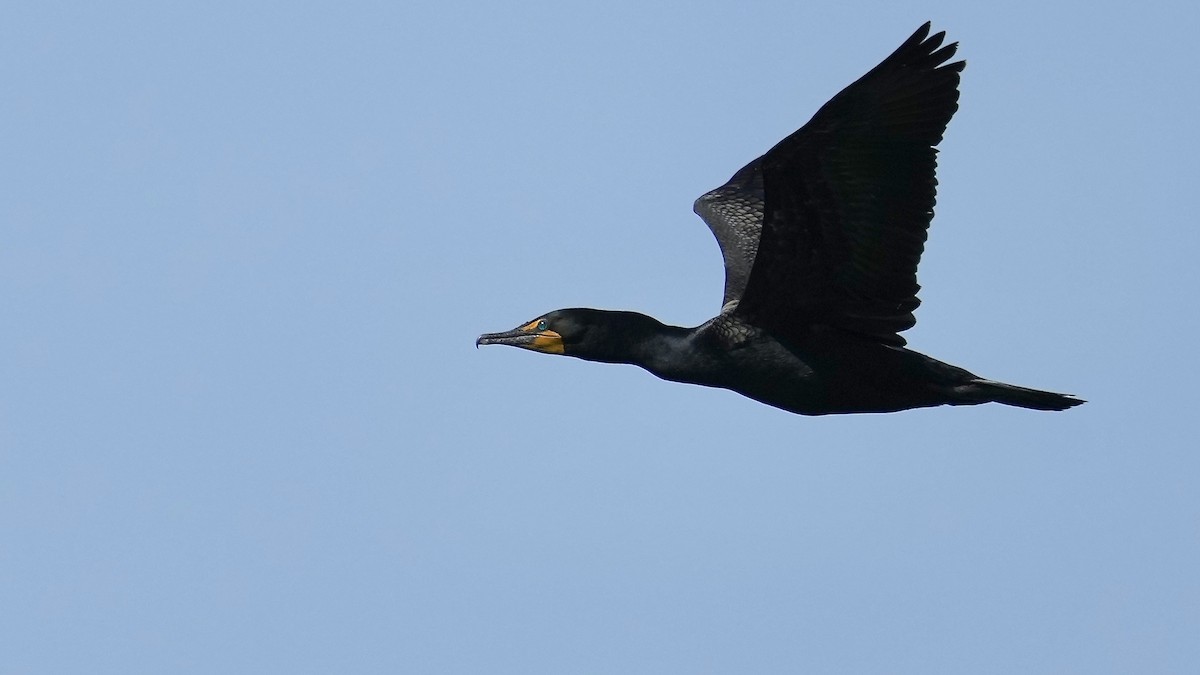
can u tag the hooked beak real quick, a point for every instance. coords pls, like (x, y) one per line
(540, 341)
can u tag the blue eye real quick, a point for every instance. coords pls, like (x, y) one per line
(541, 325)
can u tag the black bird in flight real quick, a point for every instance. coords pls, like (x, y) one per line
(821, 237)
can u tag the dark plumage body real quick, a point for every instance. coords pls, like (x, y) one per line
(821, 238)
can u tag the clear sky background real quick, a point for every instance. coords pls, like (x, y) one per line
(245, 249)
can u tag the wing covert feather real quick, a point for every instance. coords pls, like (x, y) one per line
(734, 213)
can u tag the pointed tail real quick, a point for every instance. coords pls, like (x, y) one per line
(1023, 397)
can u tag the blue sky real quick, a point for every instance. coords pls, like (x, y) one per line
(245, 249)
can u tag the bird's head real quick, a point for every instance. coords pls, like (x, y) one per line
(562, 331)
(592, 334)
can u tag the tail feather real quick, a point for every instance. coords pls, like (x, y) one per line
(1010, 394)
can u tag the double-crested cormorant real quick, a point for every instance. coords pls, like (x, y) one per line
(821, 238)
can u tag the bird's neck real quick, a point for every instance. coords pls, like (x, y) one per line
(647, 342)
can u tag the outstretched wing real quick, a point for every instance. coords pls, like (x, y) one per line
(844, 203)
